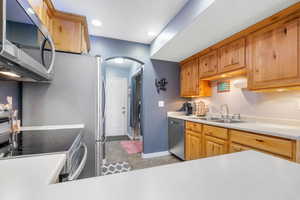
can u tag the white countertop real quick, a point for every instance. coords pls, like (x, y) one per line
(240, 176)
(22, 178)
(289, 132)
(245, 175)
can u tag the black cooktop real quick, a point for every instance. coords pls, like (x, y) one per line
(41, 142)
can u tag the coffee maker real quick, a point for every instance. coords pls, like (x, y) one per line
(188, 108)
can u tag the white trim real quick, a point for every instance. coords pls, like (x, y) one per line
(51, 127)
(156, 154)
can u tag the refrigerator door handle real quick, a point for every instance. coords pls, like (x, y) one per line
(104, 99)
(81, 165)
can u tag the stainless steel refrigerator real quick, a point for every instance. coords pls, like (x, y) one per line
(75, 96)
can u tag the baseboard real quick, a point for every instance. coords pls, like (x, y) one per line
(156, 154)
(140, 138)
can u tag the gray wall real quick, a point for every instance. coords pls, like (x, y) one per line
(11, 88)
(69, 99)
(154, 118)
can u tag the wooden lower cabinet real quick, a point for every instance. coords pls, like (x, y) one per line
(194, 148)
(274, 145)
(214, 146)
(205, 141)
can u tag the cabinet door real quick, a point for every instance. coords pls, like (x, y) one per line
(46, 17)
(214, 146)
(208, 64)
(184, 83)
(274, 56)
(66, 35)
(193, 148)
(190, 79)
(232, 56)
(194, 78)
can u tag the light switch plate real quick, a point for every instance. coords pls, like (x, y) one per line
(161, 104)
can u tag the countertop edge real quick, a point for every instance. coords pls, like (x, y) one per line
(232, 126)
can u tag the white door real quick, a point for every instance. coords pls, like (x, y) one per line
(116, 106)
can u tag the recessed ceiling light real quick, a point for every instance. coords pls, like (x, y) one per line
(119, 60)
(10, 74)
(151, 33)
(96, 22)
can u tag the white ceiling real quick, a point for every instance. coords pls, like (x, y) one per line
(126, 20)
(219, 21)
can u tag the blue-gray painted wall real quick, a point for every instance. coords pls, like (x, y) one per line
(154, 118)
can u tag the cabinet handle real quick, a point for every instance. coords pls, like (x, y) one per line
(285, 31)
(259, 140)
(274, 55)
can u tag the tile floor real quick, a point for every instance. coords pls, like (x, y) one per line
(115, 153)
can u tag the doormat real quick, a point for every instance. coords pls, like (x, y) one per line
(132, 147)
(115, 168)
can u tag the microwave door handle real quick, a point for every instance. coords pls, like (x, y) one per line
(52, 55)
(81, 165)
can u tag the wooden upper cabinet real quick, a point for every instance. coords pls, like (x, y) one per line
(232, 56)
(190, 78)
(273, 56)
(69, 31)
(65, 33)
(208, 64)
(191, 85)
(185, 74)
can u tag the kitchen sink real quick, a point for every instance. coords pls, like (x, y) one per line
(230, 121)
(218, 119)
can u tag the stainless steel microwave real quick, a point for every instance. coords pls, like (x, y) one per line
(27, 50)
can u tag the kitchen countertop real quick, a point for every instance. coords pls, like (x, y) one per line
(22, 178)
(245, 175)
(283, 131)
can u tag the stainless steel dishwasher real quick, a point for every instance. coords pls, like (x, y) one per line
(176, 137)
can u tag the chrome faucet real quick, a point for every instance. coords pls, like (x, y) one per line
(226, 116)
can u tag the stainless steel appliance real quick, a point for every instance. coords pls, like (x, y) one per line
(4, 128)
(27, 50)
(76, 78)
(50, 141)
(176, 137)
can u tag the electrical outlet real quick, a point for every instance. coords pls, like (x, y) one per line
(161, 104)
